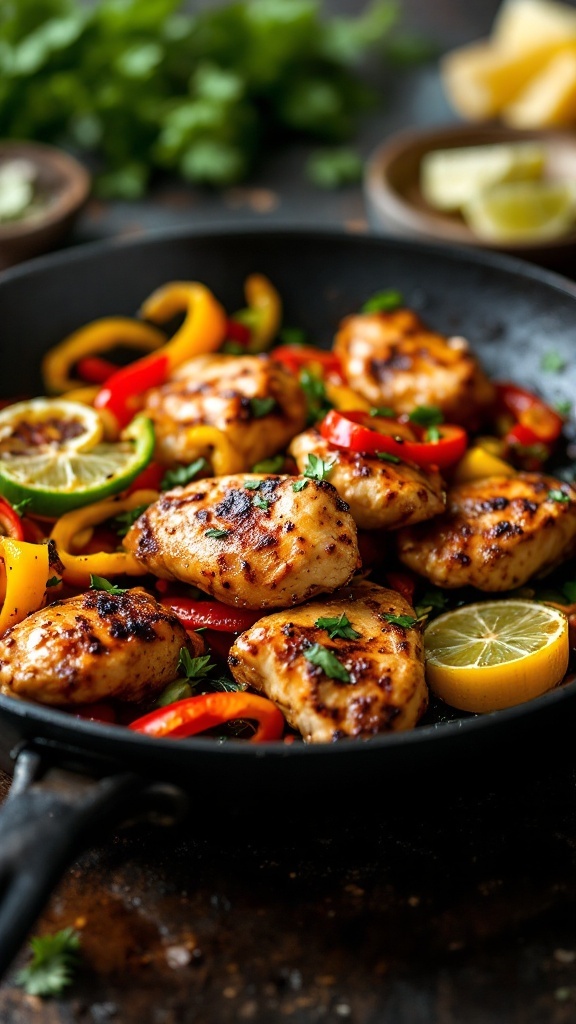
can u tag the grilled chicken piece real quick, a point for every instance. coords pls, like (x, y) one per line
(381, 495)
(386, 690)
(392, 359)
(226, 392)
(92, 647)
(496, 533)
(251, 541)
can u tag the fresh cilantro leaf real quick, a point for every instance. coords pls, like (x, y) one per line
(318, 469)
(557, 495)
(387, 457)
(299, 485)
(433, 435)
(339, 626)
(383, 302)
(563, 407)
(384, 411)
(262, 503)
(317, 401)
(226, 685)
(426, 416)
(260, 407)
(99, 583)
(54, 957)
(273, 465)
(333, 168)
(552, 362)
(216, 534)
(54, 581)
(182, 475)
(252, 485)
(21, 506)
(433, 600)
(406, 621)
(125, 520)
(292, 336)
(569, 591)
(194, 668)
(327, 661)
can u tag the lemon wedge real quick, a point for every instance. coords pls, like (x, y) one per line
(450, 178)
(495, 654)
(524, 211)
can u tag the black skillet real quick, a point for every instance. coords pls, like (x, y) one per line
(72, 777)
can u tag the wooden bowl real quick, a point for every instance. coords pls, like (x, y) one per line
(396, 204)
(65, 185)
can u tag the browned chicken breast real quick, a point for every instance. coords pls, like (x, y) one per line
(380, 494)
(393, 359)
(256, 403)
(92, 647)
(382, 686)
(495, 534)
(251, 541)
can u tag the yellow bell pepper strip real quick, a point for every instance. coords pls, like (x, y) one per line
(203, 331)
(196, 714)
(263, 314)
(220, 451)
(71, 527)
(27, 572)
(478, 463)
(85, 396)
(99, 336)
(344, 398)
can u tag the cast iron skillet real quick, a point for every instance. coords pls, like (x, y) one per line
(71, 777)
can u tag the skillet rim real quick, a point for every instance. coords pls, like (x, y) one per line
(73, 729)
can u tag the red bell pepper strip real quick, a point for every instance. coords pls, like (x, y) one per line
(404, 583)
(211, 615)
(197, 714)
(11, 524)
(235, 331)
(349, 430)
(536, 422)
(121, 392)
(95, 370)
(149, 479)
(298, 357)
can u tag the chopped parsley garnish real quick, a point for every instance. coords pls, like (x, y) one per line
(317, 469)
(252, 485)
(328, 662)
(194, 668)
(260, 407)
(433, 435)
(292, 336)
(560, 496)
(569, 591)
(426, 416)
(226, 685)
(387, 457)
(383, 302)
(125, 520)
(54, 957)
(432, 600)
(339, 626)
(262, 503)
(54, 581)
(384, 411)
(216, 534)
(317, 401)
(406, 621)
(563, 407)
(273, 465)
(299, 485)
(21, 506)
(552, 362)
(182, 475)
(99, 583)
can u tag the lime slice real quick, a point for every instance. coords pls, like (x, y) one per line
(523, 211)
(52, 422)
(452, 177)
(57, 477)
(495, 654)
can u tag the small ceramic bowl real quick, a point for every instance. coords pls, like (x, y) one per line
(396, 204)
(62, 185)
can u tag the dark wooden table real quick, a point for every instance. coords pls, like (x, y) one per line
(457, 909)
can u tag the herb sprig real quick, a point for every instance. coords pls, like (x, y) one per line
(54, 958)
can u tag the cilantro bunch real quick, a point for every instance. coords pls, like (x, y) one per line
(147, 84)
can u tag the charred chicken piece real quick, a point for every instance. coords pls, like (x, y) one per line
(495, 534)
(251, 541)
(93, 647)
(385, 690)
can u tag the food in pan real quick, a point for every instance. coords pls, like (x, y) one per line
(238, 527)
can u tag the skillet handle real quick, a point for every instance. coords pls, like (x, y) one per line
(47, 817)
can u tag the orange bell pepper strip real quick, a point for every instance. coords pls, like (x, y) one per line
(203, 330)
(99, 336)
(72, 528)
(196, 714)
(27, 569)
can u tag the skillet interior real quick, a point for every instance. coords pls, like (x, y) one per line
(510, 312)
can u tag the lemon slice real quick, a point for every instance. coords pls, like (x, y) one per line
(523, 211)
(492, 655)
(54, 478)
(452, 177)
